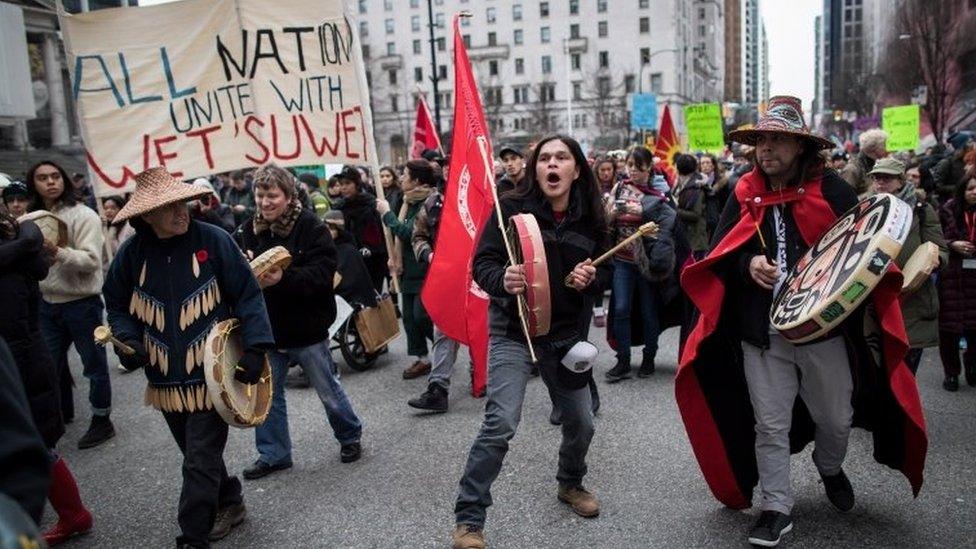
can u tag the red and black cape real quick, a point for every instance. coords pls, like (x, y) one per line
(710, 385)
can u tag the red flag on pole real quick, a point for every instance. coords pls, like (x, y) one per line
(452, 299)
(667, 144)
(424, 131)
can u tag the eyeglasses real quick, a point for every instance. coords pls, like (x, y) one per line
(42, 177)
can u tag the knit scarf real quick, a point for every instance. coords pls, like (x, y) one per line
(283, 225)
(413, 196)
(907, 194)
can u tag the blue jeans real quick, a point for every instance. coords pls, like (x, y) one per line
(272, 438)
(74, 322)
(627, 280)
(509, 368)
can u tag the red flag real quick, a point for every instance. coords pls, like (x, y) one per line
(424, 132)
(452, 299)
(667, 145)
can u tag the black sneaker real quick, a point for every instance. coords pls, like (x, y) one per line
(619, 372)
(227, 518)
(100, 430)
(971, 375)
(554, 417)
(433, 399)
(951, 383)
(350, 452)
(647, 367)
(770, 528)
(261, 469)
(839, 491)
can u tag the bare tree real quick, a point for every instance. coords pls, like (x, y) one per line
(492, 101)
(543, 113)
(606, 100)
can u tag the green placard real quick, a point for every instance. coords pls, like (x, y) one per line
(704, 123)
(902, 124)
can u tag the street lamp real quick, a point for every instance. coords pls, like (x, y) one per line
(434, 75)
(640, 72)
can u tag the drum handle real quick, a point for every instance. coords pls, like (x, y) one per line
(647, 229)
(103, 335)
(482, 143)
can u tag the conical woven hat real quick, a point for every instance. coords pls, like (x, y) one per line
(156, 188)
(784, 115)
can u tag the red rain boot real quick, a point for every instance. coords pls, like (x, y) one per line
(73, 518)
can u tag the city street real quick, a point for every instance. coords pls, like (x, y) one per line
(401, 494)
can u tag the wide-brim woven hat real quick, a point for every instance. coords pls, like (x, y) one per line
(783, 115)
(156, 188)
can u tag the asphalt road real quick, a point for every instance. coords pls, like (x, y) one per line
(401, 494)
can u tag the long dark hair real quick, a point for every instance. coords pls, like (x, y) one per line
(586, 184)
(811, 162)
(396, 180)
(959, 195)
(67, 197)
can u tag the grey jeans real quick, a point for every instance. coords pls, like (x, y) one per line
(820, 374)
(509, 369)
(445, 352)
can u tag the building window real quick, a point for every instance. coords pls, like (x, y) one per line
(604, 59)
(516, 12)
(603, 86)
(492, 39)
(414, 3)
(465, 21)
(493, 68)
(389, 26)
(701, 13)
(441, 44)
(466, 38)
(701, 30)
(657, 81)
(490, 15)
(416, 47)
(601, 6)
(544, 35)
(363, 29)
(574, 7)
(390, 48)
(366, 52)
(439, 20)
(577, 90)
(645, 56)
(575, 61)
(393, 76)
(601, 29)
(520, 94)
(546, 64)
(415, 23)
(645, 25)
(519, 65)
(518, 37)
(394, 103)
(629, 83)
(574, 31)
(388, 5)
(547, 92)
(543, 9)
(418, 74)
(442, 72)
(362, 6)
(644, 4)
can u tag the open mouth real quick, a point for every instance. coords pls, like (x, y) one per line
(553, 178)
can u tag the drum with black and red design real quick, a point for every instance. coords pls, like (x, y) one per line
(535, 305)
(839, 271)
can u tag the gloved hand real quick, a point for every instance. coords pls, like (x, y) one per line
(134, 361)
(250, 366)
(365, 252)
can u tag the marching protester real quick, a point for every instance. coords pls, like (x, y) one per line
(690, 194)
(635, 300)
(71, 307)
(838, 160)
(16, 198)
(239, 197)
(319, 200)
(716, 181)
(949, 172)
(606, 177)
(23, 263)
(167, 287)
(358, 208)
(208, 208)
(514, 163)
(560, 191)
(957, 284)
(301, 306)
(797, 393)
(354, 284)
(114, 235)
(83, 191)
(418, 183)
(920, 310)
(393, 194)
(873, 145)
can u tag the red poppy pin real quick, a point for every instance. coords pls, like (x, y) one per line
(202, 256)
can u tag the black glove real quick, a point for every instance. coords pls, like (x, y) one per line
(136, 360)
(250, 366)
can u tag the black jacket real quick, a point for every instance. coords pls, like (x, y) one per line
(363, 222)
(571, 242)
(355, 287)
(302, 305)
(22, 266)
(746, 302)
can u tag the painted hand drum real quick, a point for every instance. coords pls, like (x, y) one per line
(52, 227)
(840, 270)
(239, 404)
(526, 241)
(277, 256)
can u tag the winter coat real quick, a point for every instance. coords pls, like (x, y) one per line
(414, 271)
(302, 305)
(22, 265)
(948, 174)
(169, 293)
(856, 174)
(746, 303)
(690, 198)
(425, 228)
(957, 286)
(566, 244)
(355, 286)
(394, 197)
(920, 310)
(363, 222)
(244, 197)
(77, 269)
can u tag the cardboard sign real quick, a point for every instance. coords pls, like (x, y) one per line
(902, 126)
(704, 124)
(207, 86)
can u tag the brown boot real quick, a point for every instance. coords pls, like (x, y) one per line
(583, 503)
(467, 536)
(417, 369)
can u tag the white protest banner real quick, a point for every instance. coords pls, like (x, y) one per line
(206, 86)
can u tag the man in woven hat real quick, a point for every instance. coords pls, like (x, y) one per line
(166, 288)
(748, 396)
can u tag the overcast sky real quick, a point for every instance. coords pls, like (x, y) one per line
(789, 30)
